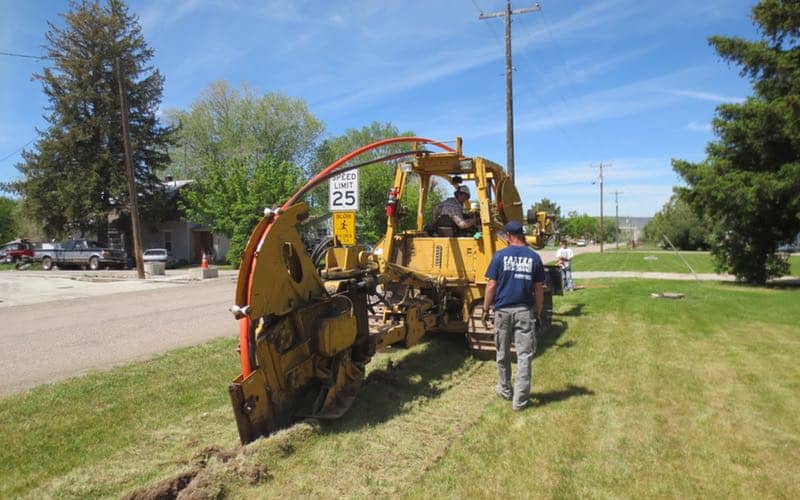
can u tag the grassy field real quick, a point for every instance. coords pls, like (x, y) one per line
(634, 396)
(654, 261)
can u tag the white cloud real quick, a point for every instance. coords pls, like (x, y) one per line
(698, 127)
(635, 200)
(645, 185)
(705, 96)
(579, 70)
(452, 61)
(166, 12)
(624, 100)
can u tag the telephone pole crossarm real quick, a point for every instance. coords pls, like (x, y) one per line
(536, 8)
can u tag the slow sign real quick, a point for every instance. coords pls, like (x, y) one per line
(344, 227)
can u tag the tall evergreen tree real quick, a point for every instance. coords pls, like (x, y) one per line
(75, 175)
(749, 184)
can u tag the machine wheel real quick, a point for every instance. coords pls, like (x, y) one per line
(47, 263)
(94, 263)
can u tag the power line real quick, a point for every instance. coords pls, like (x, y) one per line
(26, 56)
(6, 157)
(577, 145)
(488, 26)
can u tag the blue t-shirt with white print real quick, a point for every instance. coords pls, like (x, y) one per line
(516, 269)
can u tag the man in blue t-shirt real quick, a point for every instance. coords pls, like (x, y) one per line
(516, 289)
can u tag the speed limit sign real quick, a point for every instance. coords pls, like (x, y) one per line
(343, 192)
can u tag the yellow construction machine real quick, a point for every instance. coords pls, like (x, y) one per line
(308, 327)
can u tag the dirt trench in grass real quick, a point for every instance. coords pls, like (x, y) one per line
(413, 406)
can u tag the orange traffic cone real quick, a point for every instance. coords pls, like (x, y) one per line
(204, 263)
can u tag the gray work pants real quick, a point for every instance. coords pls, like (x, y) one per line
(514, 324)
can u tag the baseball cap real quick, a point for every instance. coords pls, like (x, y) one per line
(463, 189)
(514, 227)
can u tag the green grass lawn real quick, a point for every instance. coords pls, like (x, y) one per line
(12, 267)
(634, 397)
(654, 261)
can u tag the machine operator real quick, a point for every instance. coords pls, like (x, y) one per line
(450, 212)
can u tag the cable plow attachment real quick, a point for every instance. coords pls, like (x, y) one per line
(304, 336)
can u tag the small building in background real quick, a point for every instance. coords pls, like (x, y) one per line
(186, 240)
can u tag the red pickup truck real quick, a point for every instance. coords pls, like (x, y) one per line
(16, 252)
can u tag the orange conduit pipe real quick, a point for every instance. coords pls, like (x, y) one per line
(349, 156)
(244, 323)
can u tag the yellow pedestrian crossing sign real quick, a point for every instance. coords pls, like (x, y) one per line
(344, 227)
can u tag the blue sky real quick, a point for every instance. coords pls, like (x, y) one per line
(628, 83)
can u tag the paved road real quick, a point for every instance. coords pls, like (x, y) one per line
(51, 341)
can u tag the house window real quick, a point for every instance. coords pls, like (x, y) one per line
(168, 240)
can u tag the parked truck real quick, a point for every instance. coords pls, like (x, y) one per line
(81, 253)
(16, 252)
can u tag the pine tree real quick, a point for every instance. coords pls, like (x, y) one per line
(75, 175)
(749, 184)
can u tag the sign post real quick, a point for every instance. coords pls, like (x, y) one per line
(343, 202)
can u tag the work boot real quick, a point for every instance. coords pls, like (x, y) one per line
(521, 407)
(507, 395)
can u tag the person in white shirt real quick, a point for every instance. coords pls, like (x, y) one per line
(564, 256)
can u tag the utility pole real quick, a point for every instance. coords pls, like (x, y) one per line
(616, 210)
(507, 13)
(602, 234)
(126, 140)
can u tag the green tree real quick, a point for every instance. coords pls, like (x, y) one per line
(576, 226)
(749, 183)
(609, 230)
(680, 224)
(75, 175)
(244, 152)
(239, 124)
(230, 197)
(374, 180)
(9, 227)
(547, 205)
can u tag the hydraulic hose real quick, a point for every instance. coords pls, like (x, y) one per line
(349, 156)
(317, 180)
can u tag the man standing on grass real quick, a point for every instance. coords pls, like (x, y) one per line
(515, 288)
(564, 256)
